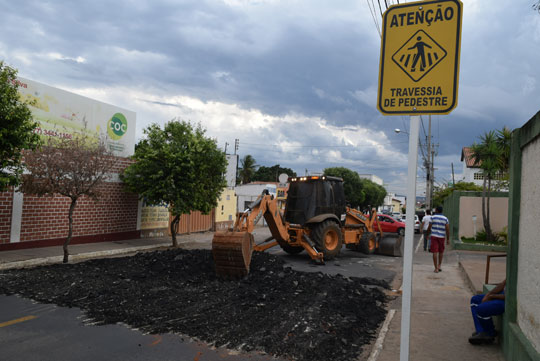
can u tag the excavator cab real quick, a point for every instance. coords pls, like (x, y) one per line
(310, 197)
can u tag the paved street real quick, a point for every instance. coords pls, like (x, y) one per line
(48, 333)
(31, 331)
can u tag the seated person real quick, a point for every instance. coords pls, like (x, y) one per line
(482, 308)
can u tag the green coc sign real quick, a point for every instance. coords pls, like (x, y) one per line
(117, 126)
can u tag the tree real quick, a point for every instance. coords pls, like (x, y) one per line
(72, 168)
(271, 174)
(177, 165)
(442, 192)
(247, 171)
(374, 194)
(491, 155)
(16, 129)
(352, 185)
(504, 139)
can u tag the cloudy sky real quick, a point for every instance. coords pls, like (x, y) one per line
(295, 81)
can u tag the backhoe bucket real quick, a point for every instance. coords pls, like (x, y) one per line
(391, 246)
(232, 253)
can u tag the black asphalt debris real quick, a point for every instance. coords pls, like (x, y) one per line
(274, 310)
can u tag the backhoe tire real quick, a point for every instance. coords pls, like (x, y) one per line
(368, 243)
(290, 249)
(327, 238)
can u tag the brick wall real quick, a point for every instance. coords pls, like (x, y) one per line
(6, 205)
(45, 219)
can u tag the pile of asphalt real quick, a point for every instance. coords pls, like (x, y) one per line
(274, 310)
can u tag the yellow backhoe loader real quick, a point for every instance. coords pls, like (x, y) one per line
(316, 219)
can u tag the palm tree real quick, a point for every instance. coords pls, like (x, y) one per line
(491, 155)
(504, 139)
(249, 166)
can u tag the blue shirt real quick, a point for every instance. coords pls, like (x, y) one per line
(438, 225)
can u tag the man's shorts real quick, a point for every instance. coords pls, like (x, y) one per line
(437, 244)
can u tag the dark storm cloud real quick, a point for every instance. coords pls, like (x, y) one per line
(312, 59)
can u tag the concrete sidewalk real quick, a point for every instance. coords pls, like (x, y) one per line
(440, 320)
(78, 252)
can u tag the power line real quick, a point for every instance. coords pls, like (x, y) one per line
(380, 9)
(372, 11)
(423, 127)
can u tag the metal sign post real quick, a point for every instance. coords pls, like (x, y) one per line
(409, 239)
(418, 74)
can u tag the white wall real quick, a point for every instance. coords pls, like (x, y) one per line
(472, 206)
(230, 175)
(468, 175)
(528, 280)
(250, 192)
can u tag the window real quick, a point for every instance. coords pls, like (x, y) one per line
(498, 176)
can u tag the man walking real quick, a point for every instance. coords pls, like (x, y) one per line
(425, 225)
(438, 228)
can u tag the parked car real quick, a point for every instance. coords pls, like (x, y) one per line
(416, 222)
(390, 224)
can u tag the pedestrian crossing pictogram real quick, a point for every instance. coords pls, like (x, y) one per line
(419, 55)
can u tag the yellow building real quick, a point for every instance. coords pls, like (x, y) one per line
(396, 205)
(226, 209)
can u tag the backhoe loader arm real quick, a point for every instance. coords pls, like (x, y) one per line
(232, 249)
(267, 207)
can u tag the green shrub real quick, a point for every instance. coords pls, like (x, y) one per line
(481, 236)
(503, 235)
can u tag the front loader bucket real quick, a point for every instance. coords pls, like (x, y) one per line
(391, 246)
(232, 253)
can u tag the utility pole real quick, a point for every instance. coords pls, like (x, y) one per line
(236, 145)
(429, 167)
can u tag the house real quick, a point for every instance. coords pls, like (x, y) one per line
(226, 209)
(248, 193)
(472, 173)
(396, 205)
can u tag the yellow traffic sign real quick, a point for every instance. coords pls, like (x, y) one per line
(419, 65)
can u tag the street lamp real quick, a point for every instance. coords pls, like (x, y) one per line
(397, 130)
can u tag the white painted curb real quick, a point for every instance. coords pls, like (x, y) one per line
(382, 335)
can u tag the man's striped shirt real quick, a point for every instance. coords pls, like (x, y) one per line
(438, 225)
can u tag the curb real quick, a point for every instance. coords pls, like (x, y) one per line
(468, 280)
(460, 246)
(75, 257)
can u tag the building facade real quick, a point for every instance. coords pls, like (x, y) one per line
(30, 221)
